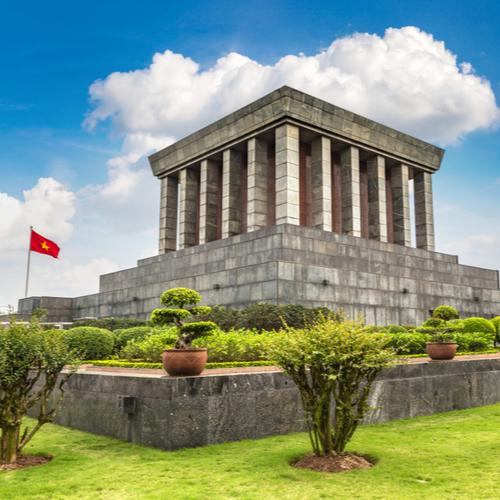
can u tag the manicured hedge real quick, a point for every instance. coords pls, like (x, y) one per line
(89, 342)
(268, 317)
(143, 364)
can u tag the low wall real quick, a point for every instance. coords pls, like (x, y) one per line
(173, 413)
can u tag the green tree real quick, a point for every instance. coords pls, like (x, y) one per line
(180, 306)
(31, 361)
(332, 362)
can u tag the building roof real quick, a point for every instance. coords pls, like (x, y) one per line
(289, 105)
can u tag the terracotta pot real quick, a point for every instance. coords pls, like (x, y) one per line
(177, 362)
(441, 350)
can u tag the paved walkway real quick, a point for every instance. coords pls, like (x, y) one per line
(150, 372)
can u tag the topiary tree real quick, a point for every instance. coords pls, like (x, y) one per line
(434, 323)
(478, 325)
(31, 361)
(181, 305)
(445, 313)
(332, 361)
(90, 342)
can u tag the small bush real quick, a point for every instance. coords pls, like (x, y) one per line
(89, 342)
(237, 345)
(478, 325)
(336, 363)
(151, 347)
(111, 323)
(124, 335)
(409, 343)
(395, 329)
(445, 313)
(472, 342)
(496, 323)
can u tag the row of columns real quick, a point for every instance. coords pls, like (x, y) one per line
(245, 201)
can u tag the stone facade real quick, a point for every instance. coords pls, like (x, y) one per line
(294, 200)
(172, 413)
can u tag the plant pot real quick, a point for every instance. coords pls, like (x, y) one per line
(441, 350)
(177, 362)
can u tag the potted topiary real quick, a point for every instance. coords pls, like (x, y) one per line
(442, 346)
(180, 304)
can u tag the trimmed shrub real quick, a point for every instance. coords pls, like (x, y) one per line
(409, 343)
(111, 323)
(151, 347)
(471, 342)
(496, 324)
(434, 323)
(395, 329)
(89, 342)
(124, 335)
(478, 325)
(445, 313)
(237, 345)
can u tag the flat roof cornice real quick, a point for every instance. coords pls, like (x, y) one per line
(286, 104)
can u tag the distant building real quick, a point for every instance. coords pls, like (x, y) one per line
(294, 200)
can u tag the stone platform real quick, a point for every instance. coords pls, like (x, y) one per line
(177, 412)
(384, 282)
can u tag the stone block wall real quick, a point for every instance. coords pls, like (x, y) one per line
(384, 282)
(183, 412)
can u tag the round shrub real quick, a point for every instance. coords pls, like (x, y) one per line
(445, 313)
(123, 335)
(409, 343)
(89, 342)
(479, 325)
(433, 323)
(496, 324)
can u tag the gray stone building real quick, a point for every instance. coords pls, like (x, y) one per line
(292, 199)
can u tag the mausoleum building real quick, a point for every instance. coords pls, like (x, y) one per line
(294, 200)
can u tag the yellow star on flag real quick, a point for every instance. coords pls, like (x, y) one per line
(45, 246)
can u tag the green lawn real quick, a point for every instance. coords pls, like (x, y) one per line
(451, 455)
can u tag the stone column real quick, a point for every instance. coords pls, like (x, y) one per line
(188, 209)
(168, 214)
(287, 174)
(400, 204)
(321, 152)
(377, 204)
(424, 213)
(351, 200)
(257, 184)
(209, 177)
(232, 162)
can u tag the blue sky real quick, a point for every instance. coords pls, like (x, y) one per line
(53, 51)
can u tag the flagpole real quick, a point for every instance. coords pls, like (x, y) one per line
(28, 266)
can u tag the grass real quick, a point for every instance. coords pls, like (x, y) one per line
(450, 455)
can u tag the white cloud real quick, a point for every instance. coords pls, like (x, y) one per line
(405, 79)
(48, 206)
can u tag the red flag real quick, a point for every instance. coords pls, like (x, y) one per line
(43, 245)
